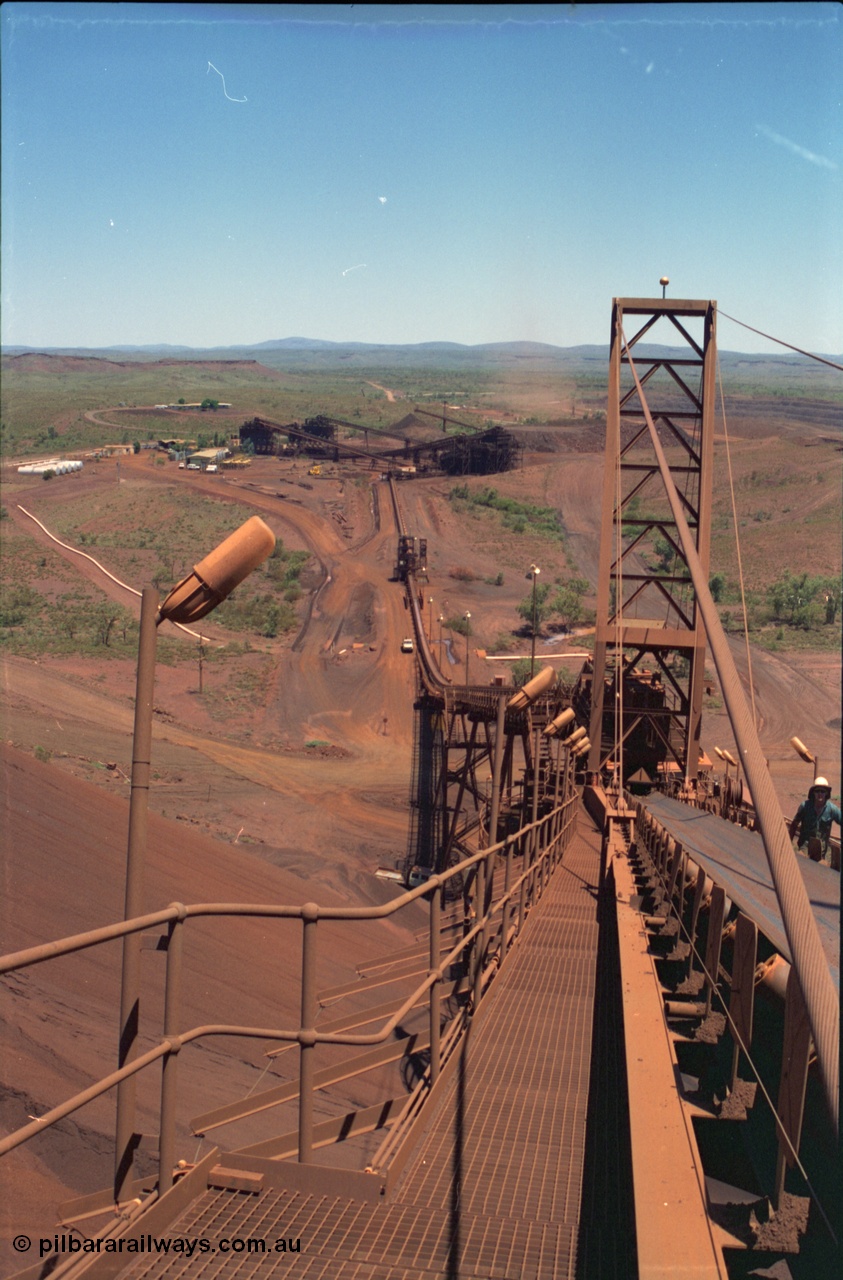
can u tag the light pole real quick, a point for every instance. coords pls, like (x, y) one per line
(534, 573)
(467, 638)
(806, 755)
(209, 584)
(441, 620)
(430, 624)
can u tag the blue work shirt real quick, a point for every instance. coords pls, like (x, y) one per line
(812, 823)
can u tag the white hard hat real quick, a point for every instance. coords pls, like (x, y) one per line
(820, 784)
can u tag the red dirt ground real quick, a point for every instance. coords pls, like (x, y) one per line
(244, 810)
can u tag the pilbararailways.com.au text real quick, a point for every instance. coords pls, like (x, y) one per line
(168, 1244)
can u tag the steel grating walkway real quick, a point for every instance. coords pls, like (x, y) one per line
(494, 1187)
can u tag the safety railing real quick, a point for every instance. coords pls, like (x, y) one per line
(489, 928)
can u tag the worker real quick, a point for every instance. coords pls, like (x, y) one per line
(813, 820)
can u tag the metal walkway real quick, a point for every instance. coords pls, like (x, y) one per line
(495, 1185)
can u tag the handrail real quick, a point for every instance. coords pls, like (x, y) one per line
(549, 832)
(538, 841)
(177, 910)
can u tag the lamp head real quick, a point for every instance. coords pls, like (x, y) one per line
(564, 717)
(533, 689)
(219, 573)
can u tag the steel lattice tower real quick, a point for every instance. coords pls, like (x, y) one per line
(649, 630)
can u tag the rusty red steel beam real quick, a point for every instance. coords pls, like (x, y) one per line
(799, 923)
(674, 1234)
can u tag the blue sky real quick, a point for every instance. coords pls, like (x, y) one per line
(215, 174)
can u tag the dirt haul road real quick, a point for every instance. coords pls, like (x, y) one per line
(345, 682)
(298, 823)
(314, 825)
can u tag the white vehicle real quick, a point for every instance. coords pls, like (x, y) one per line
(407, 645)
(419, 875)
(387, 873)
(212, 467)
(193, 466)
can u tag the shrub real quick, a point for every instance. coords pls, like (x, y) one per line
(521, 671)
(462, 626)
(15, 606)
(516, 516)
(542, 606)
(261, 613)
(568, 601)
(803, 601)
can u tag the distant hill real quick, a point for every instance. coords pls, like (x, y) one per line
(319, 353)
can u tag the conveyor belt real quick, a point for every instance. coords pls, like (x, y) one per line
(735, 859)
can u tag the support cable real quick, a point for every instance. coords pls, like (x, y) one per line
(737, 545)
(800, 926)
(619, 655)
(821, 359)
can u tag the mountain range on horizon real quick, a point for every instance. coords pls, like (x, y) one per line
(527, 354)
(308, 344)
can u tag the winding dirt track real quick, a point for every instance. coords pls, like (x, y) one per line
(332, 816)
(318, 822)
(361, 699)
